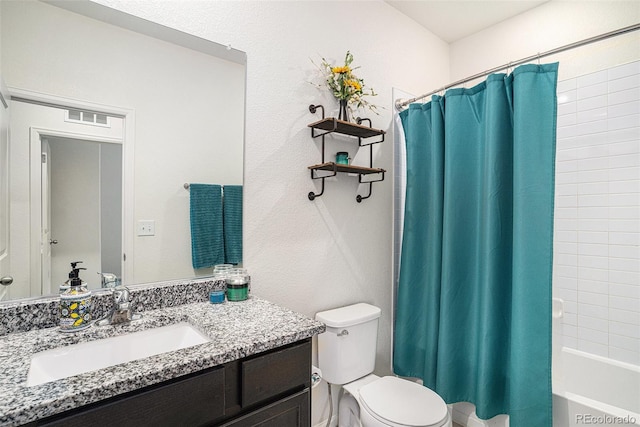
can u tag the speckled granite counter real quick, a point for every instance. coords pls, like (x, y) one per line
(236, 330)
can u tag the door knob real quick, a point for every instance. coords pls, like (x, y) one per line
(53, 242)
(6, 280)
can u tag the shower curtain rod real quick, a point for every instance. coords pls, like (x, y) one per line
(400, 104)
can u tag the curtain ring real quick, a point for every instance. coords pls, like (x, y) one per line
(538, 58)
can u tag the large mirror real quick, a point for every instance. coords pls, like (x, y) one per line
(110, 116)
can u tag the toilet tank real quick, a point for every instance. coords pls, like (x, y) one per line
(347, 350)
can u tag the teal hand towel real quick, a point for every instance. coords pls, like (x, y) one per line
(207, 241)
(232, 214)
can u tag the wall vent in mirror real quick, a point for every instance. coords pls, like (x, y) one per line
(87, 118)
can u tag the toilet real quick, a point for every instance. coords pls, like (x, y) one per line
(346, 357)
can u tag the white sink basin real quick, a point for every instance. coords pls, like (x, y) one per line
(76, 359)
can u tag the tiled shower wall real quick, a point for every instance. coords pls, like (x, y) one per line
(597, 213)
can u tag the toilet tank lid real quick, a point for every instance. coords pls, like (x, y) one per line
(349, 315)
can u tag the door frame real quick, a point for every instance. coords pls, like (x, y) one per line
(128, 141)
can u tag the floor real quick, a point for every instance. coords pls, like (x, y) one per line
(457, 425)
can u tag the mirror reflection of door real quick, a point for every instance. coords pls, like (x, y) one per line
(81, 209)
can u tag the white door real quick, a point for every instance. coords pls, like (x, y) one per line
(46, 240)
(5, 274)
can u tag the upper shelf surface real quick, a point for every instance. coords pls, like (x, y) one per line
(332, 124)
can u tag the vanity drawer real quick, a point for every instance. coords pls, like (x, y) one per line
(193, 401)
(271, 374)
(292, 411)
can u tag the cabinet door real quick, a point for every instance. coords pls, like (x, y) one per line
(293, 411)
(194, 401)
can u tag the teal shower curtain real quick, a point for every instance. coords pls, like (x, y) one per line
(473, 313)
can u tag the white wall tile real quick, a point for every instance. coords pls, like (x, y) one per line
(593, 225)
(624, 251)
(592, 335)
(565, 282)
(615, 72)
(597, 205)
(625, 286)
(595, 200)
(623, 96)
(601, 325)
(628, 200)
(624, 238)
(570, 319)
(593, 188)
(627, 343)
(567, 108)
(623, 303)
(624, 264)
(593, 237)
(627, 161)
(597, 175)
(624, 225)
(597, 274)
(592, 151)
(623, 135)
(593, 78)
(600, 262)
(626, 147)
(627, 212)
(570, 84)
(593, 249)
(630, 186)
(624, 174)
(566, 236)
(624, 355)
(624, 329)
(625, 316)
(624, 109)
(624, 83)
(591, 298)
(586, 285)
(623, 122)
(598, 311)
(594, 102)
(567, 201)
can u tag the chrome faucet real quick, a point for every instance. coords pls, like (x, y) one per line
(121, 311)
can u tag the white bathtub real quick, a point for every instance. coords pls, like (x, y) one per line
(594, 390)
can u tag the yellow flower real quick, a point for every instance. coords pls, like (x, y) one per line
(341, 70)
(354, 84)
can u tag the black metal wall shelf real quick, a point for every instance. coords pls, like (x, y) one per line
(364, 134)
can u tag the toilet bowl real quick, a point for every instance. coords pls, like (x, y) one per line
(346, 356)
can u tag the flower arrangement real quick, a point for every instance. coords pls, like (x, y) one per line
(346, 86)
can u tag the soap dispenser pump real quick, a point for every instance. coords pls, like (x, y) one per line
(75, 302)
(72, 274)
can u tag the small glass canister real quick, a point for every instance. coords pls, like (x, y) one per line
(220, 274)
(238, 285)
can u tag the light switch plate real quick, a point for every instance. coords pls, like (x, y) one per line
(146, 227)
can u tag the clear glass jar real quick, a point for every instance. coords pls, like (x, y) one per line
(238, 285)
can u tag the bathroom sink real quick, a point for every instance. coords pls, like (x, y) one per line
(63, 362)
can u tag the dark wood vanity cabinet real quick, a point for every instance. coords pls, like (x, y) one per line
(270, 389)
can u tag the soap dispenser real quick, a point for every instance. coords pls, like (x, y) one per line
(75, 302)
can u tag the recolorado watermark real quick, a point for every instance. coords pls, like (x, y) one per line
(589, 419)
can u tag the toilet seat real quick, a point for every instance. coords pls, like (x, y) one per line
(397, 402)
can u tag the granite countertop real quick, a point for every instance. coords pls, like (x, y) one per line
(236, 330)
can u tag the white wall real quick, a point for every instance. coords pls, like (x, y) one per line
(310, 256)
(551, 25)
